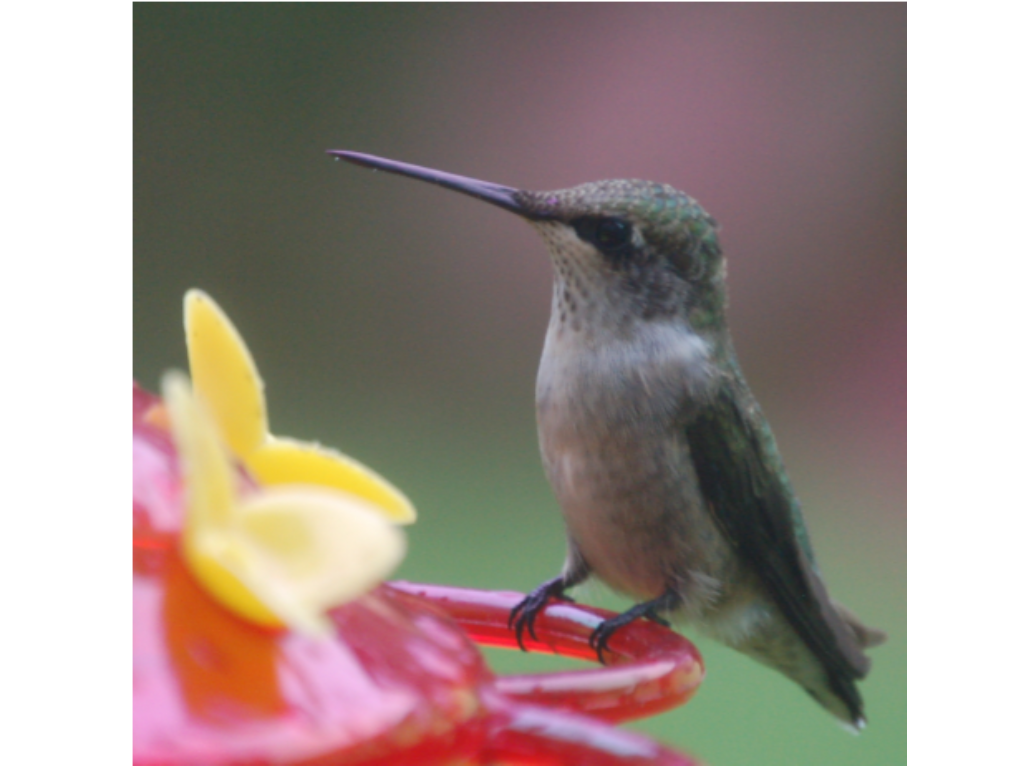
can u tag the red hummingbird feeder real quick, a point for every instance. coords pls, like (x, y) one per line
(392, 675)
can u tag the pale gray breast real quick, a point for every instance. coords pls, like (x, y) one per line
(620, 467)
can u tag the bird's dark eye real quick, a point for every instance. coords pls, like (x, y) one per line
(607, 233)
(612, 233)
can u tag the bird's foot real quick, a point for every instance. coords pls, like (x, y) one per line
(525, 613)
(650, 610)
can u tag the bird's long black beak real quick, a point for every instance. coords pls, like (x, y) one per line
(504, 197)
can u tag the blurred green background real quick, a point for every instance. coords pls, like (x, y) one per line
(403, 324)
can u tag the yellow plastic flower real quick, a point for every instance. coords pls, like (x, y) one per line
(320, 529)
(224, 374)
(279, 556)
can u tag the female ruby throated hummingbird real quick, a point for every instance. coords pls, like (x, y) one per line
(668, 476)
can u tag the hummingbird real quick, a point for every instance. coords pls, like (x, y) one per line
(668, 476)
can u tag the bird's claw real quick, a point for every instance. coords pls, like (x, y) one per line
(522, 617)
(600, 637)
